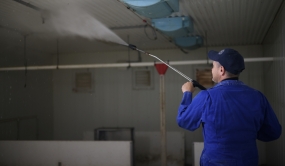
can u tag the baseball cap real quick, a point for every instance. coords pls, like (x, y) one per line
(229, 58)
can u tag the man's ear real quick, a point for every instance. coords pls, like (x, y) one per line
(223, 71)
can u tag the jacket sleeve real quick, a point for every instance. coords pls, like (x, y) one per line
(190, 112)
(270, 129)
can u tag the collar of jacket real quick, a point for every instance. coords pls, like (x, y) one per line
(231, 78)
(229, 82)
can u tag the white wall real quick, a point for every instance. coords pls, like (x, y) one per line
(65, 153)
(18, 101)
(148, 148)
(24, 95)
(65, 115)
(274, 72)
(115, 104)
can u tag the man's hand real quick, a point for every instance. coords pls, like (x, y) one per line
(188, 86)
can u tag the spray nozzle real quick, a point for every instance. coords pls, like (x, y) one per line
(133, 46)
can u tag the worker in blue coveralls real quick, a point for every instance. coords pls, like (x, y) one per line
(232, 114)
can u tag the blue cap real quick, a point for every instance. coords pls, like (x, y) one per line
(229, 58)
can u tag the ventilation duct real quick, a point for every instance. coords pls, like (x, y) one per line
(190, 43)
(174, 26)
(177, 28)
(153, 8)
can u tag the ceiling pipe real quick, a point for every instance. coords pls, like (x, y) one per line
(116, 65)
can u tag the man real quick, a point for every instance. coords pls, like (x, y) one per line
(232, 114)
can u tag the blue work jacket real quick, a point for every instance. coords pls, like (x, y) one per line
(233, 116)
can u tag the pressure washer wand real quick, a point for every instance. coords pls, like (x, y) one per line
(195, 83)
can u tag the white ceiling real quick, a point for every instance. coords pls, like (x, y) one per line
(71, 25)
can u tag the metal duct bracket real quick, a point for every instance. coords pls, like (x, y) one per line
(174, 26)
(189, 43)
(153, 8)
